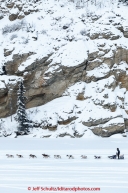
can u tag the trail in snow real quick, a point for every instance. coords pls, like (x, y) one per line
(16, 175)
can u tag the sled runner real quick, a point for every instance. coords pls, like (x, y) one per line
(121, 157)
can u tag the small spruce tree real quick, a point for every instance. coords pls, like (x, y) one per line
(21, 111)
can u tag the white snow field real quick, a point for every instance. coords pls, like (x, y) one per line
(17, 174)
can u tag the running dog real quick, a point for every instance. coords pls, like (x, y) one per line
(10, 156)
(97, 157)
(45, 156)
(112, 157)
(32, 156)
(57, 156)
(83, 157)
(19, 156)
(70, 156)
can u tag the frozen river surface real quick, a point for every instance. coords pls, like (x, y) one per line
(19, 175)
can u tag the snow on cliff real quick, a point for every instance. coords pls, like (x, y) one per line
(70, 34)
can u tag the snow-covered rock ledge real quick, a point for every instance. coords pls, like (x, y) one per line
(84, 108)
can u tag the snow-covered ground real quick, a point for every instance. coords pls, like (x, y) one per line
(16, 175)
(67, 34)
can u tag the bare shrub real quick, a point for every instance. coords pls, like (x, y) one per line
(14, 27)
(43, 32)
(83, 32)
(13, 37)
(25, 40)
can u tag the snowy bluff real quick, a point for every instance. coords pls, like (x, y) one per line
(73, 58)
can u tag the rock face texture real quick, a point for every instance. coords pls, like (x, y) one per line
(82, 56)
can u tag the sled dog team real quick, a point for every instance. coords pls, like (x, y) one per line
(70, 156)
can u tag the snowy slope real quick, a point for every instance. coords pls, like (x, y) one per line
(66, 34)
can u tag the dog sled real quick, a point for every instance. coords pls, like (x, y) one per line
(115, 157)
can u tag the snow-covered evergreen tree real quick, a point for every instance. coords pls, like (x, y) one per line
(1, 124)
(21, 111)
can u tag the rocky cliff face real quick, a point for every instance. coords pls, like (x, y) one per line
(79, 57)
